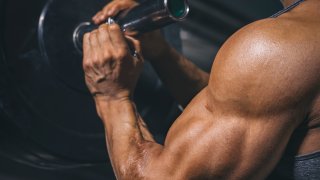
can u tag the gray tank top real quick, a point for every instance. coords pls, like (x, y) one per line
(305, 167)
(287, 9)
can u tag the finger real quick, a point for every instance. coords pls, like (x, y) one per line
(105, 43)
(95, 51)
(101, 15)
(87, 56)
(95, 18)
(114, 9)
(108, 11)
(120, 6)
(86, 51)
(93, 39)
(117, 38)
(104, 38)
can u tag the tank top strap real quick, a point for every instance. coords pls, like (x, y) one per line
(287, 9)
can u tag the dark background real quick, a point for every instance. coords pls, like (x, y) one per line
(33, 147)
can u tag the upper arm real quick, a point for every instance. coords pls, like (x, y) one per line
(239, 125)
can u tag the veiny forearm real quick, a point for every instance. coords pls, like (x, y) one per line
(181, 76)
(129, 142)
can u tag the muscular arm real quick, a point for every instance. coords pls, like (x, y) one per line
(182, 78)
(235, 128)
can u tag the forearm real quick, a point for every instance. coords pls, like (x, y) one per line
(183, 78)
(129, 142)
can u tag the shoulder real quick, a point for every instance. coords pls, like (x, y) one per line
(261, 39)
(263, 63)
(272, 40)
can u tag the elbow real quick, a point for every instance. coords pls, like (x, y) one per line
(133, 167)
(137, 165)
(129, 172)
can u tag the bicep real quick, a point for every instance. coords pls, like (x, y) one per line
(210, 144)
(239, 126)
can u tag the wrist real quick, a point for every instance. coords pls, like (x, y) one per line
(109, 107)
(119, 96)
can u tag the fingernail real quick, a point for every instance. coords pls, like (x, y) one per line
(110, 12)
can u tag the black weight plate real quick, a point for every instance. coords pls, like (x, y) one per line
(52, 111)
(53, 106)
(56, 28)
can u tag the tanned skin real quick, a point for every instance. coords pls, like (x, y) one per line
(264, 84)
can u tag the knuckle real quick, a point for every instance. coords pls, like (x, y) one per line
(97, 14)
(107, 56)
(119, 57)
(117, 5)
(122, 2)
(90, 38)
(103, 12)
(95, 61)
(121, 53)
(114, 27)
(86, 35)
(86, 66)
(94, 32)
(103, 28)
(108, 7)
